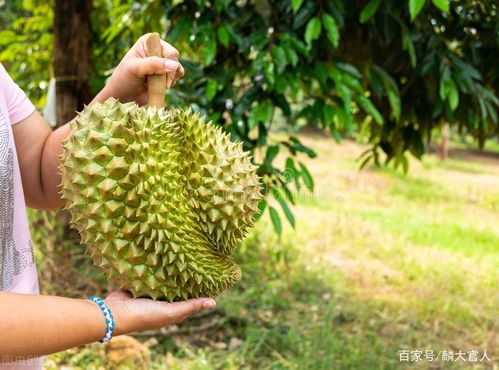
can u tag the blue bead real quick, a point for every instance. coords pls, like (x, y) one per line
(108, 317)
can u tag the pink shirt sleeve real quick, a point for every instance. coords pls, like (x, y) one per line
(18, 105)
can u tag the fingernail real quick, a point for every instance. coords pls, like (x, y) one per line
(209, 303)
(169, 81)
(171, 64)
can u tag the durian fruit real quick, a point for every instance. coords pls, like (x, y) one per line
(160, 197)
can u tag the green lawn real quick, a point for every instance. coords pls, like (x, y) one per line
(379, 262)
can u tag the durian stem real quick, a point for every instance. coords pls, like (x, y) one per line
(156, 84)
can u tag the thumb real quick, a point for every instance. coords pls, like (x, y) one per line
(152, 65)
(186, 308)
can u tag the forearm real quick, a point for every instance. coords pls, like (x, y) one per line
(50, 174)
(32, 325)
(39, 325)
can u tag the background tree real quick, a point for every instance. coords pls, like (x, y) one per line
(71, 56)
(388, 70)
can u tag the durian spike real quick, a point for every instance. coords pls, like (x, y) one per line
(156, 84)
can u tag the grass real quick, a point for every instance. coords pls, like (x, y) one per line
(379, 262)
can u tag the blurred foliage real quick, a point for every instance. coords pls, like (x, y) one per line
(26, 44)
(391, 70)
(63, 267)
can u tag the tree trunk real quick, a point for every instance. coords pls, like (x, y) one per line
(71, 57)
(444, 144)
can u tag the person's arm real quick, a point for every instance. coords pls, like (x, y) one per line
(39, 148)
(32, 325)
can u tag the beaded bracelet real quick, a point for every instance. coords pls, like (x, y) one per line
(107, 315)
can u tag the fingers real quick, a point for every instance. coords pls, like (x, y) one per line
(180, 310)
(172, 78)
(178, 75)
(153, 65)
(169, 51)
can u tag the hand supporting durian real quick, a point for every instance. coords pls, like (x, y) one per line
(41, 325)
(39, 148)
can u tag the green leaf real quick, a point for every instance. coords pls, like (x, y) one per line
(369, 10)
(268, 71)
(299, 46)
(368, 156)
(312, 31)
(442, 5)
(280, 84)
(321, 71)
(344, 117)
(335, 134)
(296, 5)
(298, 146)
(394, 99)
(308, 9)
(294, 85)
(276, 220)
(7, 36)
(235, 37)
(288, 193)
(491, 110)
(265, 111)
(210, 50)
(349, 68)
(415, 7)
(452, 94)
(392, 91)
(223, 36)
(346, 95)
(262, 112)
(371, 109)
(408, 45)
(483, 107)
(352, 82)
(291, 55)
(272, 152)
(444, 81)
(252, 119)
(261, 207)
(211, 89)
(291, 173)
(375, 82)
(405, 163)
(279, 58)
(328, 113)
(331, 29)
(307, 178)
(289, 215)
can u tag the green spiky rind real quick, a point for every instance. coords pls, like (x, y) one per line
(130, 186)
(221, 179)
